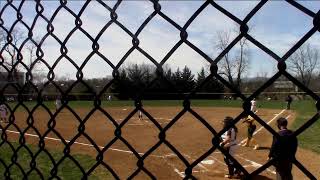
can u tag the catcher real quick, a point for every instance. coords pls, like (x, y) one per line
(251, 128)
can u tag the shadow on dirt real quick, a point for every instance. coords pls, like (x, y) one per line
(263, 148)
(260, 177)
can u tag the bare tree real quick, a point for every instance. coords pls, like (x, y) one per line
(12, 48)
(9, 51)
(31, 51)
(31, 48)
(234, 65)
(304, 63)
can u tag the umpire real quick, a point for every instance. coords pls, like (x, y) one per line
(283, 150)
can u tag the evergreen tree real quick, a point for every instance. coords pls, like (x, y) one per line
(187, 79)
(201, 76)
(212, 89)
(121, 86)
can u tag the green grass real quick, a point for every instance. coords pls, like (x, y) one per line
(67, 170)
(158, 103)
(309, 139)
(305, 110)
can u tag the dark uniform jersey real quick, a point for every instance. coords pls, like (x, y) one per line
(289, 99)
(283, 150)
(285, 147)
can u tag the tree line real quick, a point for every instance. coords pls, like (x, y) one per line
(141, 80)
(135, 80)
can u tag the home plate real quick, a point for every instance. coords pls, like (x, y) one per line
(124, 109)
(208, 162)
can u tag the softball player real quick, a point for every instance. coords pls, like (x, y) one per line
(140, 115)
(253, 105)
(58, 103)
(251, 128)
(229, 143)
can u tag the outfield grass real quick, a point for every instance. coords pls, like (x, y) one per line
(66, 171)
(161, 103)
(309, 139)
(305, 110)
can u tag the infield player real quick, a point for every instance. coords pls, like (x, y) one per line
(140, 115)
(251, 128)
(58, 103)
(229, 143)
(253, 105)
(3, 113)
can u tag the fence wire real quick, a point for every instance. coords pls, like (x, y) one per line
(138, 98)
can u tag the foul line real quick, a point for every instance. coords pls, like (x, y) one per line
(269, 121)
(255, 164)
(275, 117)
(79, 143)
(164, 157)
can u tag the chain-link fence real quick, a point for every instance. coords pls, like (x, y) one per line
(19, 88)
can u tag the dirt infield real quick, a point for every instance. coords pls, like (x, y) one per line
(189, 136)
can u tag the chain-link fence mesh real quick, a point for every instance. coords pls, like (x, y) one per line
(11, 71)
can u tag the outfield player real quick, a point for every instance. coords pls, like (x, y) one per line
(251, 128)
(289, 101)
(229, 143)
(3, 113)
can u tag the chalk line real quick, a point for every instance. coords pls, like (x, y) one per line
(215, 159)
(139, 123)
(178, 172)
(255, 164)
(80, 143)
(275, 117)
(164, 157)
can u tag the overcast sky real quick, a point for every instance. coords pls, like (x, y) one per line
(278, 25)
